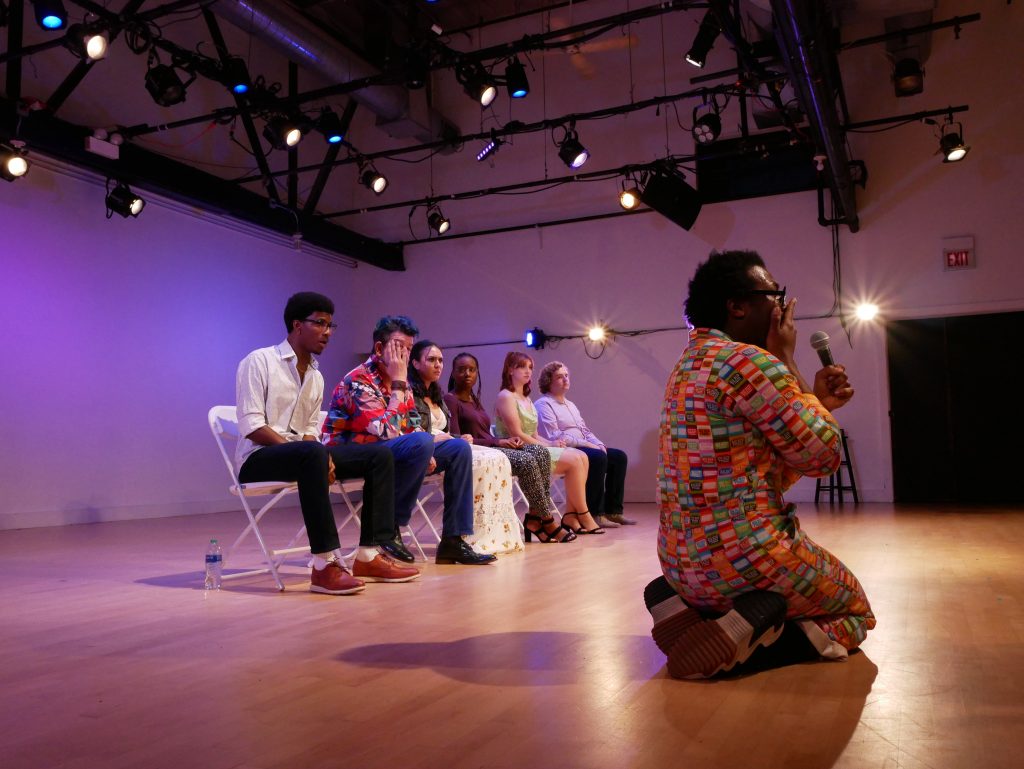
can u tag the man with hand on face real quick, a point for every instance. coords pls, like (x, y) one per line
(279, 391)
(373, 404)
(739, 426)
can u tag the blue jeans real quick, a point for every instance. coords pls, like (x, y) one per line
(454, 457)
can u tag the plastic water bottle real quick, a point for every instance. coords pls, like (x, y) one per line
(214, 564)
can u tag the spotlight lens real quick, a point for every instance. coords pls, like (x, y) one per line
(580, 159)
(96, 46)
(293, 137)
(240, 88)
(695, 60)
(866, 311)
(519, 93)
(17, 166)
(956, 154)
(487, 95)
(136, 206)
(379, 184)
(529, 339)
(629, 199)
(50, 21)
(596, 334)
(443, 227)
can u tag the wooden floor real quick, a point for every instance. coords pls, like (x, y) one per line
(114, 656)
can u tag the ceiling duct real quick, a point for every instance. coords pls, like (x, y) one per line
(804, 34)
(399, 113)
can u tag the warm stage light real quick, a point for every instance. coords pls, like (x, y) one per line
(477, 83)
(866, 311)
(437, 221)
(951, 145)
(13, 164)
(164, 85)
(372, 179)
(121, 200)
(629, 198)
(908, 77)
(87, 42)
(282, 132)
(597, 334)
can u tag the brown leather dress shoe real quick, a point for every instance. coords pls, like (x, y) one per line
(334, 579)
(620, 519)
(384, 569)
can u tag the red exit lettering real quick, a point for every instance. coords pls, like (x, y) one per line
(961, 258)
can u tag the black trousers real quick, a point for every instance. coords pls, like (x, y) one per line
(606, 481)
(305, 462)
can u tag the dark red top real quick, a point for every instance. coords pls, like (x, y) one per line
(470, 418)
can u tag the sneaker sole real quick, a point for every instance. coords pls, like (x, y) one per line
(670, 614)
(386, 579)
(346, 591)
(714, 646)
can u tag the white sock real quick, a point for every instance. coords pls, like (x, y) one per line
(320, 560)
(366, 554)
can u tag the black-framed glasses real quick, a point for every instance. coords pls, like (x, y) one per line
(778, 293)
(321, 323)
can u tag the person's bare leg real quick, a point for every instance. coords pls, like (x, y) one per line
(575, 465)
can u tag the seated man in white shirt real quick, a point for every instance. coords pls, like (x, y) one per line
(279, 392)
(559, 419)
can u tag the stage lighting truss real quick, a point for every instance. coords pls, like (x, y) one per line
(570, 150)
(13, 163)
(371, 178)
(707, 122)
(477, 82)
(121, 200)
(437, 221)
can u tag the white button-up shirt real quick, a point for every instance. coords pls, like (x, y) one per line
(269, 392)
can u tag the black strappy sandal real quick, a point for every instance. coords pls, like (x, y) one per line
(579, 529)
(542, 534)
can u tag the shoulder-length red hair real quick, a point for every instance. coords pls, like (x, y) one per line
(513, 360)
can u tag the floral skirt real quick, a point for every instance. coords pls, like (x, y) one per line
(495, 526)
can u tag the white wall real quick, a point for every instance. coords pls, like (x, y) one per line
(120, 336)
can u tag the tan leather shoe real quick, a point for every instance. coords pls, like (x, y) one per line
(384, 569)
(620, 519)
(334, 579)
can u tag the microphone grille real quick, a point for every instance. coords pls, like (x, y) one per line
(819, 340)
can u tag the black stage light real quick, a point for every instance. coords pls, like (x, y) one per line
(121, 200)
(164, 85)
(490, 148)
(87, 42)
(535, 339)
(629, 198)
(515, 79)
(703, 42)
(235, 75)
(571, 151)
(951, 143)
(13, 164)
(282, 132)
(668, 193)
(477, 83)
(908, 77)
(50, 14)
(335, 128)
(437, 221)
(372, 179)
(707, 124)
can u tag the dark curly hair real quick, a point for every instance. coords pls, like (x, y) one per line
(725, 275)
(300, 305)
(547, 374)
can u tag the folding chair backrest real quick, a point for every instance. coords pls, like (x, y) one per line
(224, 426)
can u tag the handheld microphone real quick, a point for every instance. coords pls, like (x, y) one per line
(819, 341)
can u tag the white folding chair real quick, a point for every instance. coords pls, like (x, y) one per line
(224, 426)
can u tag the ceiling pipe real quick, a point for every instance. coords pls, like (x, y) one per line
(811, 63)
(283, 28)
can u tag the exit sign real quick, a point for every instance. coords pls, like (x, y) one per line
(958, 253)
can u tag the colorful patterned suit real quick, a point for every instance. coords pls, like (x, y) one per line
(736, 431)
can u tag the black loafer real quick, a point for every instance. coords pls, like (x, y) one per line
(396, 549)
(457, 550)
